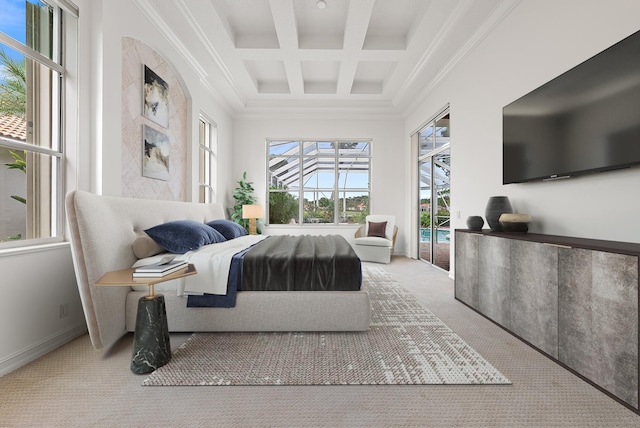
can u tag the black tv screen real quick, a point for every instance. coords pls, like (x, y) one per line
(585, 120)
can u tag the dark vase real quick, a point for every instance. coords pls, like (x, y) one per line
(497, 206)
(475, 222)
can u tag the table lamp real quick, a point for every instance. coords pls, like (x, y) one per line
(252, 212)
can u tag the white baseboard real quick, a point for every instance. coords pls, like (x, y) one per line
(37, 350)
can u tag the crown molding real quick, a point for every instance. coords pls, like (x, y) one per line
(501, 11)
(441, 38)
(211, 50)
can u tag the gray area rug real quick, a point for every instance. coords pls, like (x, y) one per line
(406, 344)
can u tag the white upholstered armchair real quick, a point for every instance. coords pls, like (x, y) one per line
(376, 239)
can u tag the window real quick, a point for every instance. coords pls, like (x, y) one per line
(319, 182)
(31, 149)
(207, 159)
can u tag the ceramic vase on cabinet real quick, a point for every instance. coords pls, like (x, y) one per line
(475, 222)
(497, 206)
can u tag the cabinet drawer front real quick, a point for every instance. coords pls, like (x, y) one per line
(466, 273)
(494, 278)
(534, 294)
(598, 319)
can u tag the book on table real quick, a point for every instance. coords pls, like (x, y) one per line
(161, 268)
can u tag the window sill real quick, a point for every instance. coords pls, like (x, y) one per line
(36, 248)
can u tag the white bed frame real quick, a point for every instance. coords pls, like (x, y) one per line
(102, 230)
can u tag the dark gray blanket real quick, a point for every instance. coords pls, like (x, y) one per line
(294, 263)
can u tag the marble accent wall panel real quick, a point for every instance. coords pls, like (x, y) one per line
(466, 288)
(598, 318)
(534, 294)
(135, 54)
(495, 278)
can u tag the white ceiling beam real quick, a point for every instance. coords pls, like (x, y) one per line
(358, 17)
(322, 54)
(286, 29)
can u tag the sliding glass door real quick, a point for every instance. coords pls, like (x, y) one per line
(434, 166)
(441, 224)
(425, 250)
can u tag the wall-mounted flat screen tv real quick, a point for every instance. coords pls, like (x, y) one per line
(584, 121)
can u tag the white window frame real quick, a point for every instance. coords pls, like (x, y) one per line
(207, 159)
(56, 149)
(303, 188)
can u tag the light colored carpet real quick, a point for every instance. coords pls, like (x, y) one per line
(78, 386)
(406, 344)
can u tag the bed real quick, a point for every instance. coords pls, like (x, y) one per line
(103, 230)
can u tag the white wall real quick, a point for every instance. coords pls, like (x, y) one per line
(538, 41)
(387, 169)
(35, 284)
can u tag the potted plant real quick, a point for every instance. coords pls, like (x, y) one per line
(243, 195)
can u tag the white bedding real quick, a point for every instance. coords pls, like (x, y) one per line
(212, 263)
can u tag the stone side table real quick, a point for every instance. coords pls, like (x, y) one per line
(151, 345)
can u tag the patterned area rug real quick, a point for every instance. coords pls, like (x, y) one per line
(406, 344)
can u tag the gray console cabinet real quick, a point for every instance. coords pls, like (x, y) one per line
(574, 299)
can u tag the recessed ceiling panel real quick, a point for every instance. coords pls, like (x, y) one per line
(391, 25)
(269, 77)
(320, 71)
(268, 87)
(371, 76)
(366, 88)
(320, 77)
(320, 28)
(374, 70)
(250, 23)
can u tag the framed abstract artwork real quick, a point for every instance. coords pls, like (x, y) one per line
(155, 96)
(155, 153)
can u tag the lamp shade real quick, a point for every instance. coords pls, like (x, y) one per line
(252, 211)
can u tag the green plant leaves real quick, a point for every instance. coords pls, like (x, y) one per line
(243, 195)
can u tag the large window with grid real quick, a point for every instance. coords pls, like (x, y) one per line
(31, 149)
(318, 182)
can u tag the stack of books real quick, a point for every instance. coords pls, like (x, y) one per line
(159, 269)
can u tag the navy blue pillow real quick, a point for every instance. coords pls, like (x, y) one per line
(181, 236)
(228, 228)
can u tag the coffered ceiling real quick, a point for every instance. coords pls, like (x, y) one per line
(290, 56)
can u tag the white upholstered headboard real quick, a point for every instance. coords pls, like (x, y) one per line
(102, 231)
